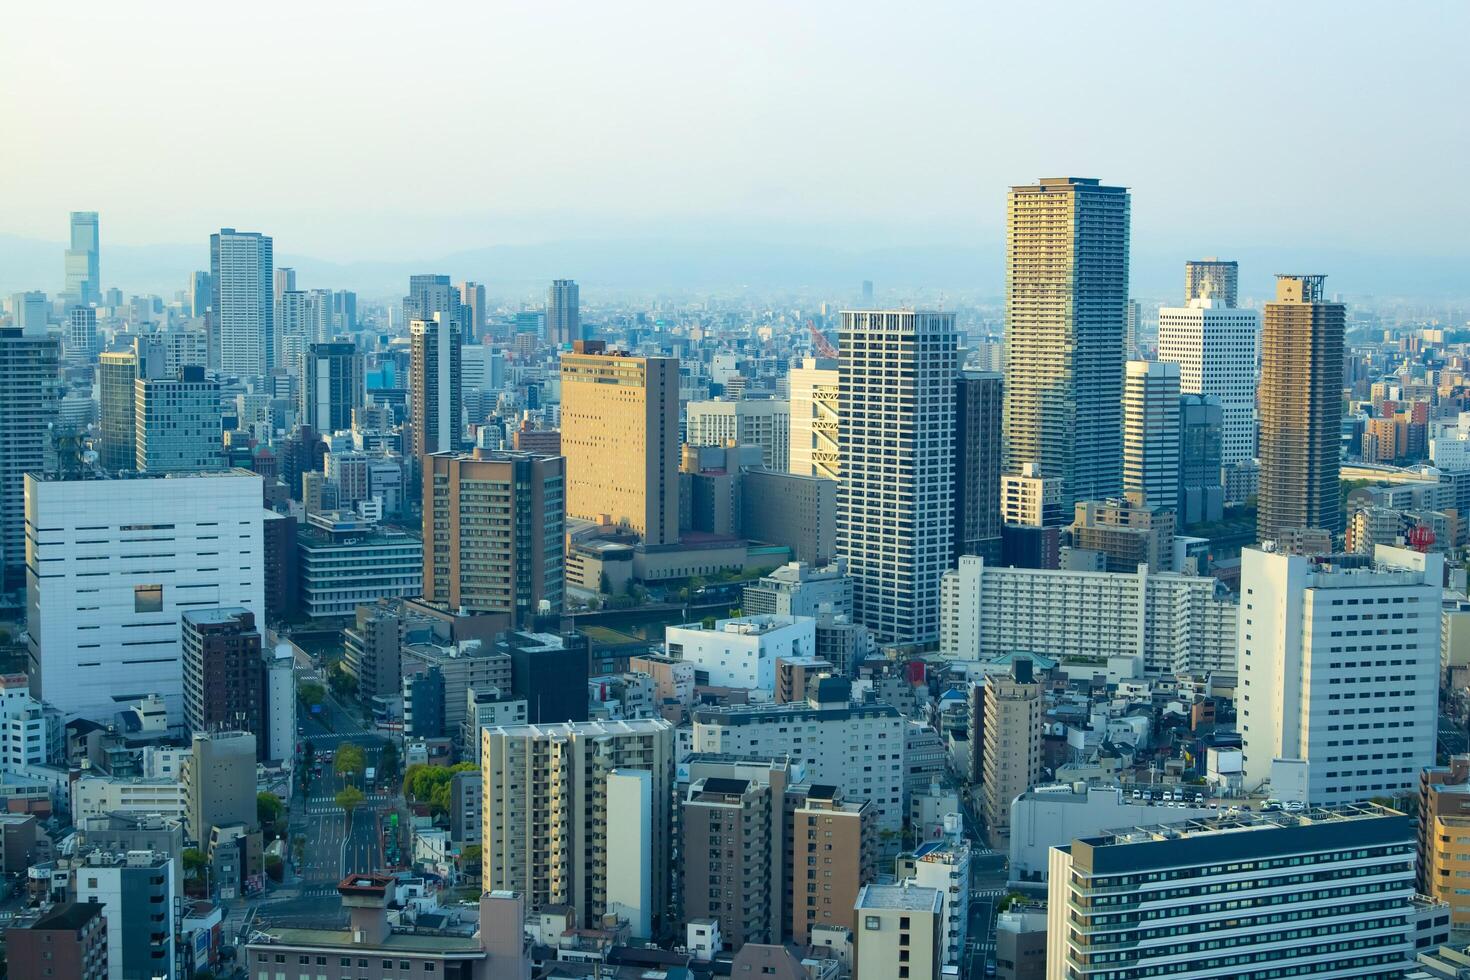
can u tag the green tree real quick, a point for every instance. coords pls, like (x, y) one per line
(310, 693)
(275, 867)
(431, 784)
(194, 862)
(469, 860)
(388, 762)
(350, 799)
(268, 809)
(350, 761)
(343, 683)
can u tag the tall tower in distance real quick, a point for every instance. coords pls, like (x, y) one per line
(472, 300)
(1066, 312)
(429, 294)
(563, 315)
(1301, 409)
(1212, 278)
(896, 435)
(242, 330)
(434, 392)
(83, 260)
(1151, 432)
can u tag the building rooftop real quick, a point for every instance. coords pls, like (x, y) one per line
(67, 915)
(901, 898)
(394, 942)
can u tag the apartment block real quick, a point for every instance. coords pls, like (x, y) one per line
(763, 422)
(834, 854)
(899, 933)
(1012, 743)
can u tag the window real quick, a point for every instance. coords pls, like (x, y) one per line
(147, 598)
(870, 922)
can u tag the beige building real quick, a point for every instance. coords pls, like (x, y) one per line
(1126, 532)
(731, 864)
(1444, 839)
(620, 437)
(1012, 762)
(814, 418)
(763, 422)
(797, 511)
(556, 819)
(898, 933)
(1029, 499)
(834, 854)
(493, 532)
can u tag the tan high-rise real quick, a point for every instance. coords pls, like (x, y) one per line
(1012, 743)
(493, 529)
(1300, 402)
(620, 437)
(833, 854)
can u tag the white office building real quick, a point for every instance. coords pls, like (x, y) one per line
(1137, 623)
(1151, 432)
(763, 422)
(895, 502)
(114, 566)
(742, 652)
(1217, 348)
(1339, 673)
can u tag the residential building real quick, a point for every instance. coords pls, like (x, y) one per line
(1028, 499)
(833, 856)
(895, 506)
(83, 261)
(347, 561)
(763, 422)
(137, 892)
(1012, 740)
(176, 423)
(487, 708)
(1020, 943)
(1217, 347)
(742, 652)
(814, 418)
(800, 589)
(1329, 652)
(104, 611)
(620, 437)
(80, 342)
(242, 301)
(331, 385)
(460, 667)
(224, 676)
(30, 392)
(1209, 891)
(32, 734)
(563, 313)
(799, 512)
(493, 532)
(554, 804)
(977, 466)
(944, 865)
(899, 932)
(66, 940)
(472, 302)
(730, 865)
(1213, 279)
(1126, 531)
(1444, 839)
(1151, 432)
(435, 396)
(1300, 399)
(1066, 303)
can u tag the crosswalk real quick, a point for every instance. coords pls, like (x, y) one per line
(320, 807)
(977, 893)
(324, 891)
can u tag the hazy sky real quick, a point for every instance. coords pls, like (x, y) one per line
(391, 130)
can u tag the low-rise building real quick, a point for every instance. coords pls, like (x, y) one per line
(742, 652)
(347, 561)
(898, 932)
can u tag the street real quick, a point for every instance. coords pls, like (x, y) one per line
(987, 888)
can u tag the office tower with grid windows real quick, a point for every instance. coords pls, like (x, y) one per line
(1216, 347)
(1212, 278)
(977, 464)
(1066, 313)
(435, 396)
(30, 391)
(1151, 432)
(242, 320)
(895, 503)
(563, 313)
(83, 260)
(331, 386)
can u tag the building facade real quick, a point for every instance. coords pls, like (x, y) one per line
(242, 318)
(563, 313)
(978, 409)
(815, 405)
(176, 423)
(331, 386)
(435, 396)
(30, 393)
(224, 676)
(1151, 432)
(1217, 348)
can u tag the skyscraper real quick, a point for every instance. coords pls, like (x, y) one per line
(563, 316)
(814, 405)
(1215, 347)
(1211, 278)
(620, 437)
(978, 407)
(493, 527)
(200, 290)
(243, 324)
(1066, 310)
(1201, 493)
(1151, 432)
(176, 423)
(331, 386)
(1301, 409)
(434, 384)
(472, 299)
(29, 394)
(895, 506)
(429, 294)
(83, 277)
(80, 340)
(117, 400)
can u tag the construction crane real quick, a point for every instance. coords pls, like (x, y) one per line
(820, 342)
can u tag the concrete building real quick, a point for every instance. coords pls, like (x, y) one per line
(1217, 348)
(1152, 623)
(763, 422)
(833, 856)
(79, 341)
(1328, 653)
(104, 611)
(83, 261)
(176, 423)
(1028, 499)
(434, 384)
(30, 392)
(347, 562)
(66, 940)
(487, 708)
(898, 932)
(430, 293)
(742, 652)
(1066, 303)
(1020, 943)
(1176, 877)
(977, 467)
(117, 371)
(494, 532)
(1300, 399)
(856, 747)
(1151, 432)
(563, 313)
(100, 796)
(799, 512)
(458, 668)
(815, 413)
(553, 803)
(550, 673)
(1201, 428)
(944, 865)
(1126, 531)
(895, 509)
(219, 777)
(331, 385)
(30, 729)
(137, 892)
(1012, 741)
(1213, 279)
(1444, 839)
(242, 300)
(620, 436)
(730, 865)
(224, 676)
(800, 589)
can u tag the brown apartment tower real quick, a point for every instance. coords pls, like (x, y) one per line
(493, 527)
(1300, 401)
(620, 437)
